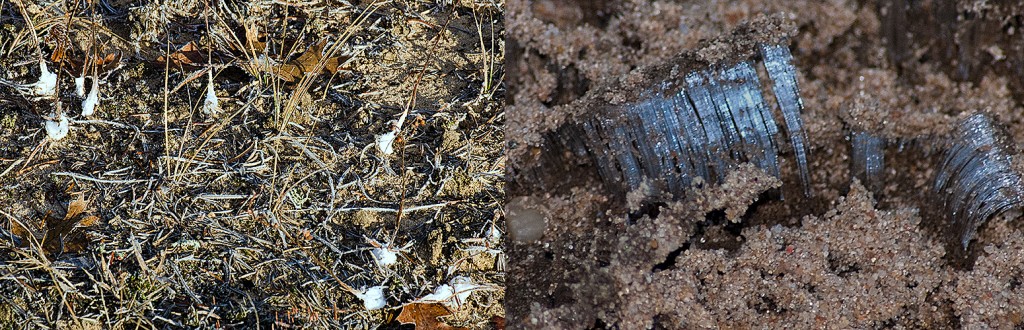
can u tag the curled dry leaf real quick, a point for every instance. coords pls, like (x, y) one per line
(76, 208)
(424, 316)
(250, 40)
(58, 39)
(101, 61)
(22, 232)
(294, 70)
(77, 240)
(189, 56)
(58, 235)
(253, 38)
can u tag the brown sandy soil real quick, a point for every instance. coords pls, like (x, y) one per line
(844, 258)
(266, 213)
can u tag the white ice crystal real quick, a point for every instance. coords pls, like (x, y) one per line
(493, 234)
(977, 179)
(211, 106)
(441, 294)
(463, 287)
(453, 294)
(384, 256)
(58, 129)
(47, 84)
(385, 141)
(89, 105)
(80, 85)
(373, 298)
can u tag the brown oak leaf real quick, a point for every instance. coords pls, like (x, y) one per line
(66, 235)
(424, 316)
(189, 56)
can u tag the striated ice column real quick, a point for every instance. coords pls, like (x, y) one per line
(702, 126)
(778, 62)
(717, 134)
(697, 138)
(976, 179)
(868, 159)
(755, 121)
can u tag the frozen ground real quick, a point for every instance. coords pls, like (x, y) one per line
(235, 170)
(851, 255)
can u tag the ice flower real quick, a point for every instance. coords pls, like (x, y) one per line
(80, 85)
(89, 104)
(211, 105)
(493, 234)
(58, 127)
(373, 298)
(453, 294)
(385, 142)
(47, 84)
(384, 256)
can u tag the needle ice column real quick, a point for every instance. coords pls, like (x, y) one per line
(868, 159)
(778, 62)
(701, 126)
(976, 180)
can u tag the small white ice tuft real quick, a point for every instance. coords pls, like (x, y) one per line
(463, 287)
(385, 141)
(493, 234)
(58, 129)
(89, 105)
(384, 256)
(441, 293)
(211, 105)
(47, 84)
(373, 298)
(80, 85)
(453, 295)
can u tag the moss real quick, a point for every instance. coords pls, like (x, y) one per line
(9, 121)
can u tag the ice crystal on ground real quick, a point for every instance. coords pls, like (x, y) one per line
(868, 159)
(977, 179)
(717, 119)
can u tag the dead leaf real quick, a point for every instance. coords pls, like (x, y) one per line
(288, 72)
(308, 60)
(262, 64)
(67, 235)
(103, 62)
(58, 38)
(76, 241)
(108, 62)
(498, 322)
(252, 38)
(24, 233)
(305, 63)
(424, 316)
(76, 207)
(248, 40)
(89, 221)
(188, 56)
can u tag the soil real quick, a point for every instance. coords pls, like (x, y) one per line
(844, 257)
(264, 214)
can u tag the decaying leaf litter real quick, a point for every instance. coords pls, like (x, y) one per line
(234, 169)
